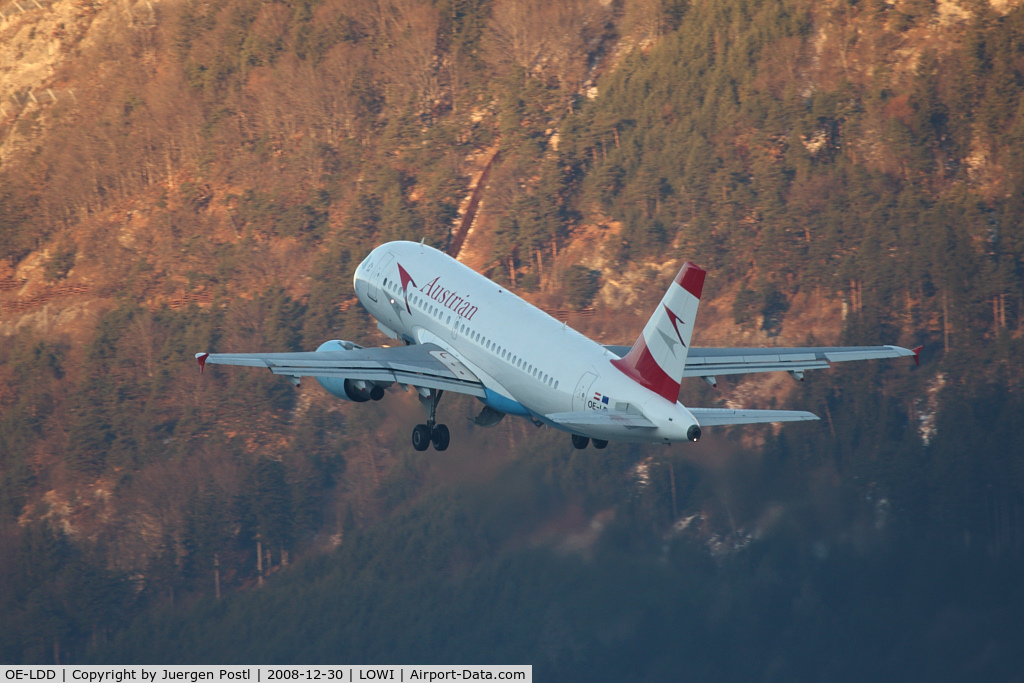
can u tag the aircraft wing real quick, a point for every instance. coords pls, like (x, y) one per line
(709, 362)
(711, 417)
(592, 418)
(420, 365)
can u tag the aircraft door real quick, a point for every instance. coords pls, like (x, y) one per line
(378, 275)
(579, 399)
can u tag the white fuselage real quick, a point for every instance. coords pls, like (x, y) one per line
(530, 364)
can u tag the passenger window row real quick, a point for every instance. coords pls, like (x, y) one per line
(504, 354)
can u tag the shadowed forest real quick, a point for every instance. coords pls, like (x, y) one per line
(223, 166)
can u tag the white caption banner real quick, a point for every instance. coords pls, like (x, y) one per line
(263, 674)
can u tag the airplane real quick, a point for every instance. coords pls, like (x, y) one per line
(462, 332)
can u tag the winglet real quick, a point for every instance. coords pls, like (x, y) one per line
(201, 358)
(917, 354)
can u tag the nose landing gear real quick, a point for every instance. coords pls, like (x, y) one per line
(581, 442)
(431, 433)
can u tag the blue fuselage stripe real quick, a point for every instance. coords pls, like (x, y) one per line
(505, 405)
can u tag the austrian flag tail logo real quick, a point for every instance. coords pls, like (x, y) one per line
(406, 279)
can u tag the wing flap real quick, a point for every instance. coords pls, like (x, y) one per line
(711, 417)
(421, 365)
(592, 418)
(744, 368)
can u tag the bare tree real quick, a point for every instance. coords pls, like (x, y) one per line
(546, 39)
(411, 61)
(516, 34)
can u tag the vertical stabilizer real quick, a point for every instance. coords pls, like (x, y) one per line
(658, 357)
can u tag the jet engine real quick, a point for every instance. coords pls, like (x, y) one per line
(356, 390)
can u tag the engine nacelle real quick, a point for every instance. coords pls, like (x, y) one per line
(356, 390)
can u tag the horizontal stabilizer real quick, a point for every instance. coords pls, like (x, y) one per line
(593, 418)
(711, 417)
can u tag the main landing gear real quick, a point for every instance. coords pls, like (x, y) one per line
(431, 433)
(581, 442)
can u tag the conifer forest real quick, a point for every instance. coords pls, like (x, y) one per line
(187, 175)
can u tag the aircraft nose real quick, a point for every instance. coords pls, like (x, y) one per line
(359, 276)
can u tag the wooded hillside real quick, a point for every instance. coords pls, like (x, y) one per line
(207, 175)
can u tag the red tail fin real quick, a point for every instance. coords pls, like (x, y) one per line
(658, 357)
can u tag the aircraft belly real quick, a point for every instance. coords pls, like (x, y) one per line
(619, 434)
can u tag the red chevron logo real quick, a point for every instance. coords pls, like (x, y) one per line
(675, 323)
(406, 279)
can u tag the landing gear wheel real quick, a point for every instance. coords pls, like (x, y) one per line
(580, 442)
(600, 443)
(421, 437)
(440, 437)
